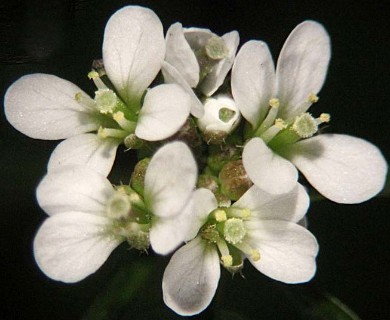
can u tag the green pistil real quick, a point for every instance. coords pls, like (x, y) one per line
(216, 48)
(234, 230)
(226, 114)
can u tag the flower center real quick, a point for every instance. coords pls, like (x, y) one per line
(277, 132)
(113, 113)
(130, 220)
(234, 230)
(106, 100)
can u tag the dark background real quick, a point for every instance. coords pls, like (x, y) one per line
(62, 37)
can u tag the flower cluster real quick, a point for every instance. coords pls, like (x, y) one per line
(220, 134)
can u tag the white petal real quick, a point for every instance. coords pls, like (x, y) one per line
(218, 74)
(197, 37)
(191, 278)
(165, 109)
(74, 188)
(43, 106)
(302, 67)
(253, 80)
(287, 250)
(133, 49)
(342, 168)
(171, 75)
(170, 179)
(291, 206)
(85, 149)
(166, 234)
(70, 246)
(266, 169)
(180, 55)
(204, 203)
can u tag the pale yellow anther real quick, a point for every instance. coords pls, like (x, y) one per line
(220, 215)
(245, 213)
(121, 189)
(78, 96)
(118, 116)
(325, 117)
(313, 98)
(135, 198)
(274, 103)
(227, 261)
(255, 255)
(280, 124)
(93, 75)
(102, 133)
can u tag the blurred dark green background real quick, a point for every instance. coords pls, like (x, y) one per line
(62, 37)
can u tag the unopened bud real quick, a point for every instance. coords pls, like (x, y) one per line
(234, 180)
(137, 180)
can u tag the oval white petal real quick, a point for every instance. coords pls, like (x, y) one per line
(191, 278)
(204, 202)
(170, 179)
(180, 55)
(253, 80)
(302, 67)
(216, 77)
(197, 37)
(85, 149)
(266, 169)
(133, 49)
(290, 206)
(171, 75)
(70, 246)
(287, 250)
(342, 168)
(165, 109)
(74, 188)
(167, 233)
(43, 106)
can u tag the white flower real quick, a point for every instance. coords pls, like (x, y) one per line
(344, 169)
(259, 226)
(198, 58)
(89, 217)
(44, 106)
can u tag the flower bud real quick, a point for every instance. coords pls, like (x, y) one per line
(221, 117)
(234, 180)
(137, 180)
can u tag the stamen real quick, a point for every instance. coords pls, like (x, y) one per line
(254, 254)
(227, 261)
(85, 101)
(313, 98)
(239, 213)
(93, 75)
(271, 116)
(223, 248)
(219, 215)
(324, 118)
(271, 132)
(111, 133)
(125, 124)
